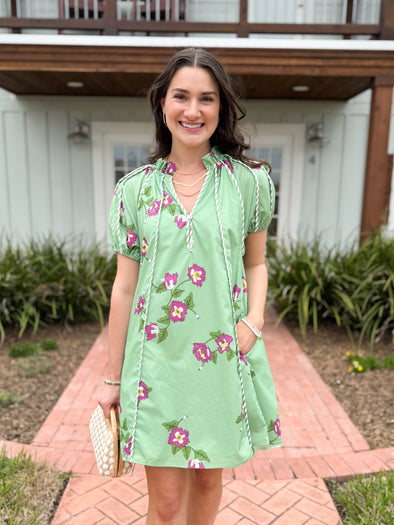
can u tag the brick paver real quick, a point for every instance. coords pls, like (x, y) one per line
(282, 486)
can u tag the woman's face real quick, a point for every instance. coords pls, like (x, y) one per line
(191, 108)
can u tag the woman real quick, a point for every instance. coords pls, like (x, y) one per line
(187, 306)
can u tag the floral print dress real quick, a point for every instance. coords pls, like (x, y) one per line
(188, 397)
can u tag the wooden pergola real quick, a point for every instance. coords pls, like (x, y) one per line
(111, 65)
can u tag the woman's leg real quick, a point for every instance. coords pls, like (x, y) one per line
(204, 496)
(168, 491)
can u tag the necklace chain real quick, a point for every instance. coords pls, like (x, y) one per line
(189, 185)
(191, 195)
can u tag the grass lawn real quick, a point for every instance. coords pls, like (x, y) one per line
(365, 500)
(29, 491)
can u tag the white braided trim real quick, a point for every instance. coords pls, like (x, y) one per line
(145, 319)
(240, 199)
(232, 307)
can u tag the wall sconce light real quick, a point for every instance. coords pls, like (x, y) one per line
(315, 135)
(80, 133)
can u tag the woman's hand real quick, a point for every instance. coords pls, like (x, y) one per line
(109, 396)
(246, 338)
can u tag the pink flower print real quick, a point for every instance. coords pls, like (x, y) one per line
(116, 190)
(244, 285)
(211, 154)
(277, 427)
(154, 208)
(140, 305)
(196, 274)
(228, 164)
(144, 247)
(131, 238)
(243, 359)
(224, 342)
(167, 200)
(236, 292)
(180, 221)
(121, 208)
(178, 437)
(147, 170)
(195, 463)
(170, 280)
(178, 311)
(169, 168)
(127, 447)
(202, 352)
(142, 391)
(151, 331)
(219, 165)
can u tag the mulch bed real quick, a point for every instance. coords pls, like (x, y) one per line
(21, 422)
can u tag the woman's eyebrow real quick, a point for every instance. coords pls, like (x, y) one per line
(186, 91)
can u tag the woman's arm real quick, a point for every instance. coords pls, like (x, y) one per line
(257, 282)
(119, 316)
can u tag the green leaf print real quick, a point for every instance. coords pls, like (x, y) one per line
(271, 426)
(166, 308)
(177, 292)
(161, 288)
(175, 449)
(215, 357)
(141, 324)
(189, 301)
(150, 201)
(186, 452)
(239, 419)
(163, 334)
(164, 320)
(148, 191)
(230, 354)
(215, 335)
(172, 209)
(200, 454)
(170, 425)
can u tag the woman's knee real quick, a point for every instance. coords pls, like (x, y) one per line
(166, 493)
(207, 480)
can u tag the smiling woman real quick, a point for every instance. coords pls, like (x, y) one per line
(190, 230)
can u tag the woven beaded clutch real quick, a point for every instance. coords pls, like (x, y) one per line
(105, 439)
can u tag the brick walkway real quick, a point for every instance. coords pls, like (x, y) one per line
(282, 486)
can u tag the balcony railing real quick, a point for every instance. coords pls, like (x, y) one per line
(242, 18)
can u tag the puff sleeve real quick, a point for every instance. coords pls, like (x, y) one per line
(260, 203)
(123, 221)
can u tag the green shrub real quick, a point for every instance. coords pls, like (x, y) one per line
(388, 362)
(7, 399)
(53, 281)
(24, 349)
(353, 288)
(48, 345)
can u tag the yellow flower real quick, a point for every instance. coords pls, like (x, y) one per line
(350, 369)
(348, 353)
(355, 364)
(360, 368)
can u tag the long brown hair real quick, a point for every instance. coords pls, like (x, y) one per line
(227, 136)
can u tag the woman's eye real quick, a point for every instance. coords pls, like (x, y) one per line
(207, 99)
(179, 96)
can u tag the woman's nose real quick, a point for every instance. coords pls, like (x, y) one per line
(193, 110)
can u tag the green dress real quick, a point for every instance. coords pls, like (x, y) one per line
(188, 397)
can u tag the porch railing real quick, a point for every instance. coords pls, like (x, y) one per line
(242, 18)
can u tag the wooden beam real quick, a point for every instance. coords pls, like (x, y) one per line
(377, 178)
(387, 20)
(349, 15)
(243, 29)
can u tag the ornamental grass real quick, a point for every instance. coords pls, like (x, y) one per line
(353, 288)
(53, 281)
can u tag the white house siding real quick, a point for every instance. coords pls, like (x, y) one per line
(46, 181)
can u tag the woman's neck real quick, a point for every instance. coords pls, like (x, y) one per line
(187, 159)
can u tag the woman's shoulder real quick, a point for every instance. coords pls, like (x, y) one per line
(247, 174)
(132, 181)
